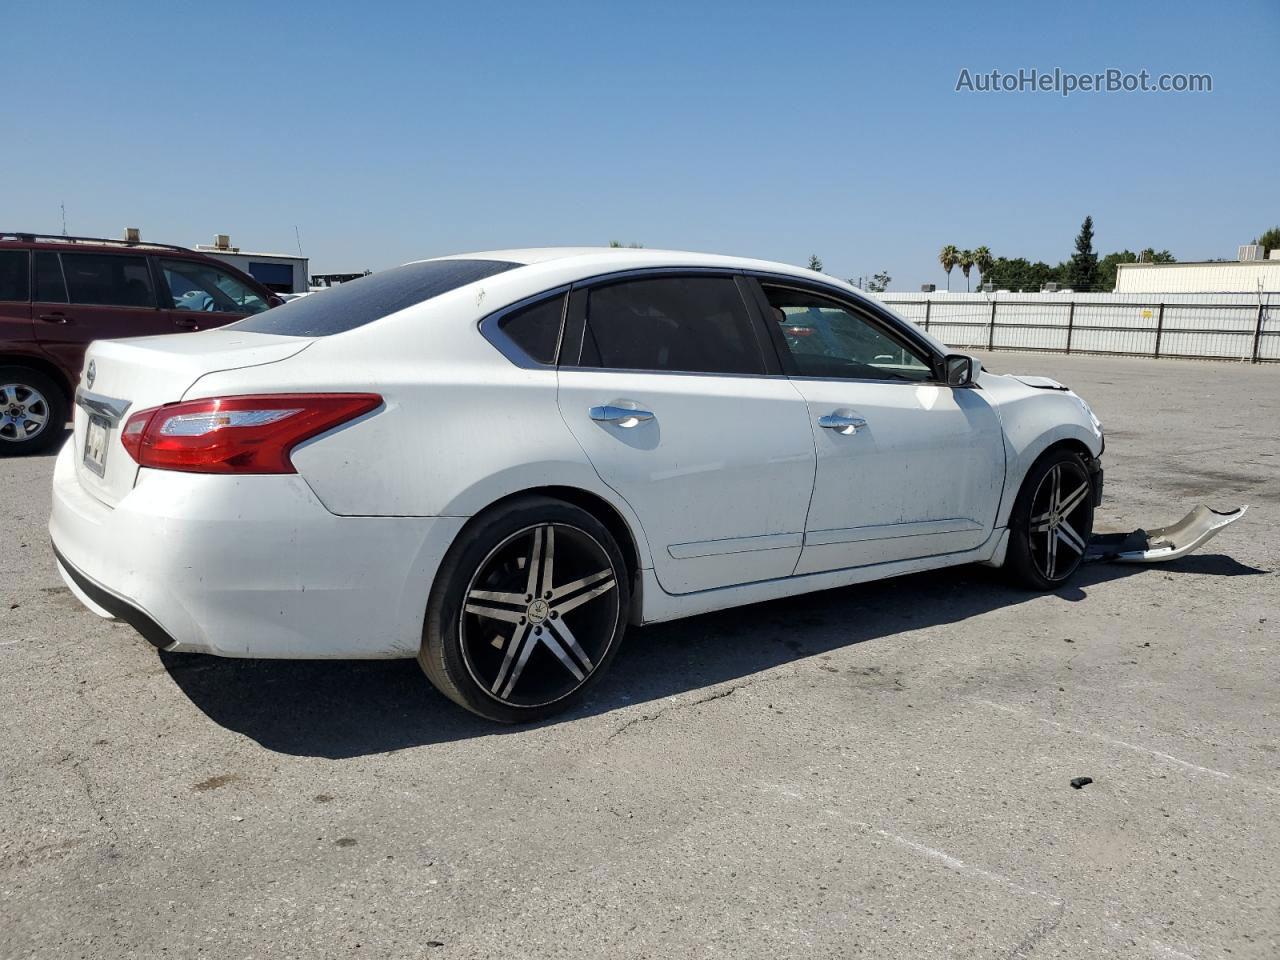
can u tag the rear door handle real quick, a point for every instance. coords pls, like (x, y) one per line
(189, 323)
(841, 423)
(54, 318)
(622, 416)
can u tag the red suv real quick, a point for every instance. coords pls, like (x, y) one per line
(57, 294)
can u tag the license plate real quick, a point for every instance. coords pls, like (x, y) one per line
(95, 444)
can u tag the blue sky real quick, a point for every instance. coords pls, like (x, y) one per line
(387, 132)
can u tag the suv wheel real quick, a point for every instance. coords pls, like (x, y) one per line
(33, 411)
(527, 611)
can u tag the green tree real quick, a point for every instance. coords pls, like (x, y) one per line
(814, 263)
(949, 257)
(983, 260)
(965, 260)
(1084, 262)
(1270, 240)
(879, 283)
(635, 246)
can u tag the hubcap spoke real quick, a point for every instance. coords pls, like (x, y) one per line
(512, 648)
(562, 628)
(1051, 555)
(1069, 536)
(554, 646)
(1073, 500)
(530, 641)
(497, 596)
(559, 593)
(495, 613)
(574, 602)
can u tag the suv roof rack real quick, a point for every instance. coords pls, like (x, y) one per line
(58, 238)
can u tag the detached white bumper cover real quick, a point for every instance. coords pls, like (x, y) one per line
(247, 566)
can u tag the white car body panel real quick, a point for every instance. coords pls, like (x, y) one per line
(720, 477)
(726, 495)
(922, 478)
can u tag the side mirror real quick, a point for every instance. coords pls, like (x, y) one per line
(960, 370)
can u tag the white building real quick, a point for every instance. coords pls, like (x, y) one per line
(1213, 276)
(280, 272)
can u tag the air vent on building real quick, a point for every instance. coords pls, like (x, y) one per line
(928, 287)
(1250, 251)
(1049, 288)
(132, 235)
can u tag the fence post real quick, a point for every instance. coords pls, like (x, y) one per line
(1257, 334)
(991, 336)
(1159, 329)
(927, 304)
(1071, 322)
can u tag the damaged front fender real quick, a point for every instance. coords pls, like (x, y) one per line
(1164, 543)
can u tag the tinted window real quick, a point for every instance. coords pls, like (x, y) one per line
(203, 288)
(371, 298)
(50, 287)
(690, 324)
(827, 339)
(536, 329)
(108, 280)
(13, 275)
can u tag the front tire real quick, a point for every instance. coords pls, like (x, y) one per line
(527, 610)
(33, 411)
(1052, 522)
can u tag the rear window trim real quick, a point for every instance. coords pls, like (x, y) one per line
(491, 330)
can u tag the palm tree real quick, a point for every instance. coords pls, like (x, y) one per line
(983, 260)
(966, 264)
(949, 257)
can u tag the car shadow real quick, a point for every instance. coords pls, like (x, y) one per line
(348, 708)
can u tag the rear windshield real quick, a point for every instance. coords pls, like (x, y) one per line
(353, 304)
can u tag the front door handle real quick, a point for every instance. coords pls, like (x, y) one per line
(190, 323)
(622, 416)
(841, 423)
(54, 317)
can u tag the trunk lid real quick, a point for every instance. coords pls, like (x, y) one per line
(131, 375)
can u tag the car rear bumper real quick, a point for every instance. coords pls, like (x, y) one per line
(250, 566)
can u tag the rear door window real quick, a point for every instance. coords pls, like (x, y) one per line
(203, 288)
(49, 285)
(13, 275)
(678, 324)
(108, 280)
(354, 304)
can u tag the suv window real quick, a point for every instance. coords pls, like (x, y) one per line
(108, 280)
(536, 329)
(13, 275)
(828, 339)
(354, 304)
(50, 287)
(204, 288)
(684, 324)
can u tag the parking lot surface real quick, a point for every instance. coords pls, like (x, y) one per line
(882, 770)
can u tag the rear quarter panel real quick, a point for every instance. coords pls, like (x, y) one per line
(461, 428)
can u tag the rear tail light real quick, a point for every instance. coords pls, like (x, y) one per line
(237, 434)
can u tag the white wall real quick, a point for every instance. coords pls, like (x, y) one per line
(1218, 326)
(1249, 276)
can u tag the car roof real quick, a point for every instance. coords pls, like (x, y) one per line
(591, 259)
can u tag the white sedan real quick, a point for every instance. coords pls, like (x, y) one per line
(495, 462)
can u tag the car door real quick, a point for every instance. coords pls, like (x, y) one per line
(671, 387)
(16, 333)
(198, 294)
(906, 466)
(86, 296)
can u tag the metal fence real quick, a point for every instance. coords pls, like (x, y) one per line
(1193, 326)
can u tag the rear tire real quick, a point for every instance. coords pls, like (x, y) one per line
(1051, 523)
(527, 610)
(33, 411)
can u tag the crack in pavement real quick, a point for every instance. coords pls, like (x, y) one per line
(682, 705)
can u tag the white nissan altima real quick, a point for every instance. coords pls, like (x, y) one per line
(495, 462)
